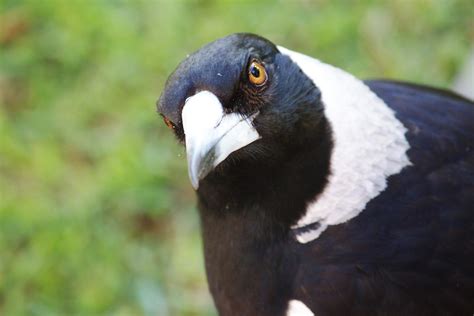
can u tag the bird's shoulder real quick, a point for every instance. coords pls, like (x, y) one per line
(440, 130)
(411, 249)
(429, 114)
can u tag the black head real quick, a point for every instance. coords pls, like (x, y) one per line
(217, 67)
(283, 111)
(222, 67)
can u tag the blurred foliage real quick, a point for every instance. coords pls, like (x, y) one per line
(96, 213)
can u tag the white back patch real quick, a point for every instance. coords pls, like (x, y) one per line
(298, 308)
(369, 146)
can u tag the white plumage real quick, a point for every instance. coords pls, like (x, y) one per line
(298, 308)
(369, 145)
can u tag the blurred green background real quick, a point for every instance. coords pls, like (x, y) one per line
(96, 213)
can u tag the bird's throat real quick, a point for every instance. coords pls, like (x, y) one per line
(246, 262)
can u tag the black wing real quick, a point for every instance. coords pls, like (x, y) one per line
(411, 251)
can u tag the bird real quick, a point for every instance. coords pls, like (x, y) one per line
(320, 193)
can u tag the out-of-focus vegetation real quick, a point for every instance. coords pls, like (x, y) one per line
(96, 213)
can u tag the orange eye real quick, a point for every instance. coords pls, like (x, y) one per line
(168, 122)
(257, 74)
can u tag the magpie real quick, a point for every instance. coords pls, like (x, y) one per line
(321, 194)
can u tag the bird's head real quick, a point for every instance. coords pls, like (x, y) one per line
(269, 129)
(238, 104)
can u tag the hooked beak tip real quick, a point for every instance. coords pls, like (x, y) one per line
(199, 166)
(194, 182)
(193, 167)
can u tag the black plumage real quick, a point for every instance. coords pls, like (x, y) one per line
(411, 250)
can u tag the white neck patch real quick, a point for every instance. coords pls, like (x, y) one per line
(298, 308)
(369, 146)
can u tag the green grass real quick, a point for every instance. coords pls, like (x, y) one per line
(96, 213)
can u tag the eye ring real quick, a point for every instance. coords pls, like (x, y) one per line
(168, 122)
(257, 73)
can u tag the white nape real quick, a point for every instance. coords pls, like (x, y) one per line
(369, 145)
(298, 308)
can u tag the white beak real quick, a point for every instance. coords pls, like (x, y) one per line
(211, 134)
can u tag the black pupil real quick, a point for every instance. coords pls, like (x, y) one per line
(255, 71)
